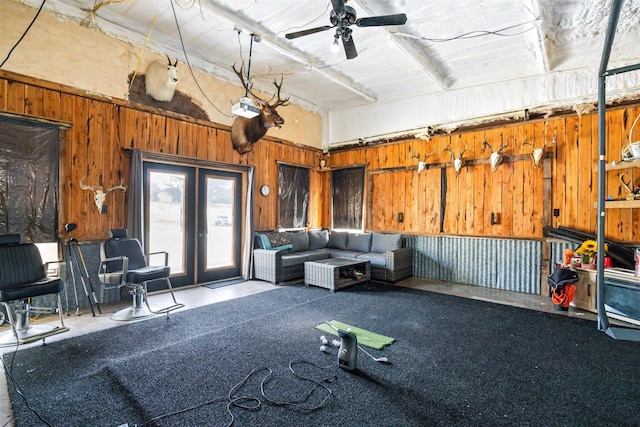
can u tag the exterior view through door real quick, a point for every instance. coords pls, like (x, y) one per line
(194, 214)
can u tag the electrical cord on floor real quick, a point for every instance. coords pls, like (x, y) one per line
(252, 403)
(9, 371)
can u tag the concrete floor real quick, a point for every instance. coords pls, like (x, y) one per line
(200, 295)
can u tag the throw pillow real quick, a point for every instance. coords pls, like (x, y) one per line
(359, 242)
(338, 240)
(275, 241)
(382, 243)
(318, 239)
(299, 241)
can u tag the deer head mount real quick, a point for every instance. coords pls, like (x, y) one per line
(422, 163)
(497, 157)
(98, 195)
(458, 162)
(244, 131)
(538, 153)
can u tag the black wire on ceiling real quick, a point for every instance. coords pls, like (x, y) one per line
(23, 34)
(186, 57)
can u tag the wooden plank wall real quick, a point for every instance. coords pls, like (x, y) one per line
(515, 193)
(100, 128)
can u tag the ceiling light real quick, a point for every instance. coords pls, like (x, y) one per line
(335, 47)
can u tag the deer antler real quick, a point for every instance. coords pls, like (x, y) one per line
(450, 151)
(84, 186)
(279, 100)
(626, 185)
(486, 144)
(502, 147)
(246, 85)
(118, 187)
(431, 153)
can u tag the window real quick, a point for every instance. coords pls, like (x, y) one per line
(348, 198)
(29, 180)
(294, 197)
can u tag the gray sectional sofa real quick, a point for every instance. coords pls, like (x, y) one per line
(280, 256)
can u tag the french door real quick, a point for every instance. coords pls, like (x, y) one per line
(194, 214)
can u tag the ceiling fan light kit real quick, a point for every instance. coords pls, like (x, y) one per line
(341, 18)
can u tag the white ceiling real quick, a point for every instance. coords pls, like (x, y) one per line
(536, 52)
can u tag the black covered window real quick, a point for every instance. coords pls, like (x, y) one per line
(294, 196)
(348, 198)
(29, 180)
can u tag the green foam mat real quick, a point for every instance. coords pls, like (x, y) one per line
(368, 338)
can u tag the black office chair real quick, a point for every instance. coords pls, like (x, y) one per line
(22, 277)
(124, 263)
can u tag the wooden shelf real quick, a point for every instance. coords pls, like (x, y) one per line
(629, 164)
(617, 204)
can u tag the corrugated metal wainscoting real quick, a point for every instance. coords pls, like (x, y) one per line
(507, 264)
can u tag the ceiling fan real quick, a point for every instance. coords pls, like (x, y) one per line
(342, 17)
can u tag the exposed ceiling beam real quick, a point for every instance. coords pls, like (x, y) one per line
(543, 55)
(296, 55)
(418, 54)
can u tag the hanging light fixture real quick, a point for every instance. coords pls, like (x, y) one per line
(335, 47)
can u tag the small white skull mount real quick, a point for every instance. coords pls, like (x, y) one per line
(98, 195)
(497, 156)
(538, 153)
(458, 162)
(422, 164)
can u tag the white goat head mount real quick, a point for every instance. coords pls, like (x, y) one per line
(497, 157)
(538, 153)
(458, 162)
(160, 79)
(98, 195)
(423, 163)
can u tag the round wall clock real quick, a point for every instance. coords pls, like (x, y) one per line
(265, 190)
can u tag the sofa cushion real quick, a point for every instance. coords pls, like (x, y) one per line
(338, 240)
(316, 254)
(299, 241)
(338, 253)
(382, 243)
(360, 242)
(374, 258)
(318, 239)
(293, 259)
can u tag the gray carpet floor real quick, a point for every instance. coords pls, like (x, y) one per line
(255, 361)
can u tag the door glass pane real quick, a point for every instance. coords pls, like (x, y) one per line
(220, 222)
(166, 217)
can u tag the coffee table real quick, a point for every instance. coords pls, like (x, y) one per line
(336, 273)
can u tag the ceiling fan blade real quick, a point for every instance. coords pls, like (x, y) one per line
(349, 48)
(297, 34)
(376, 21)
(338, 7)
